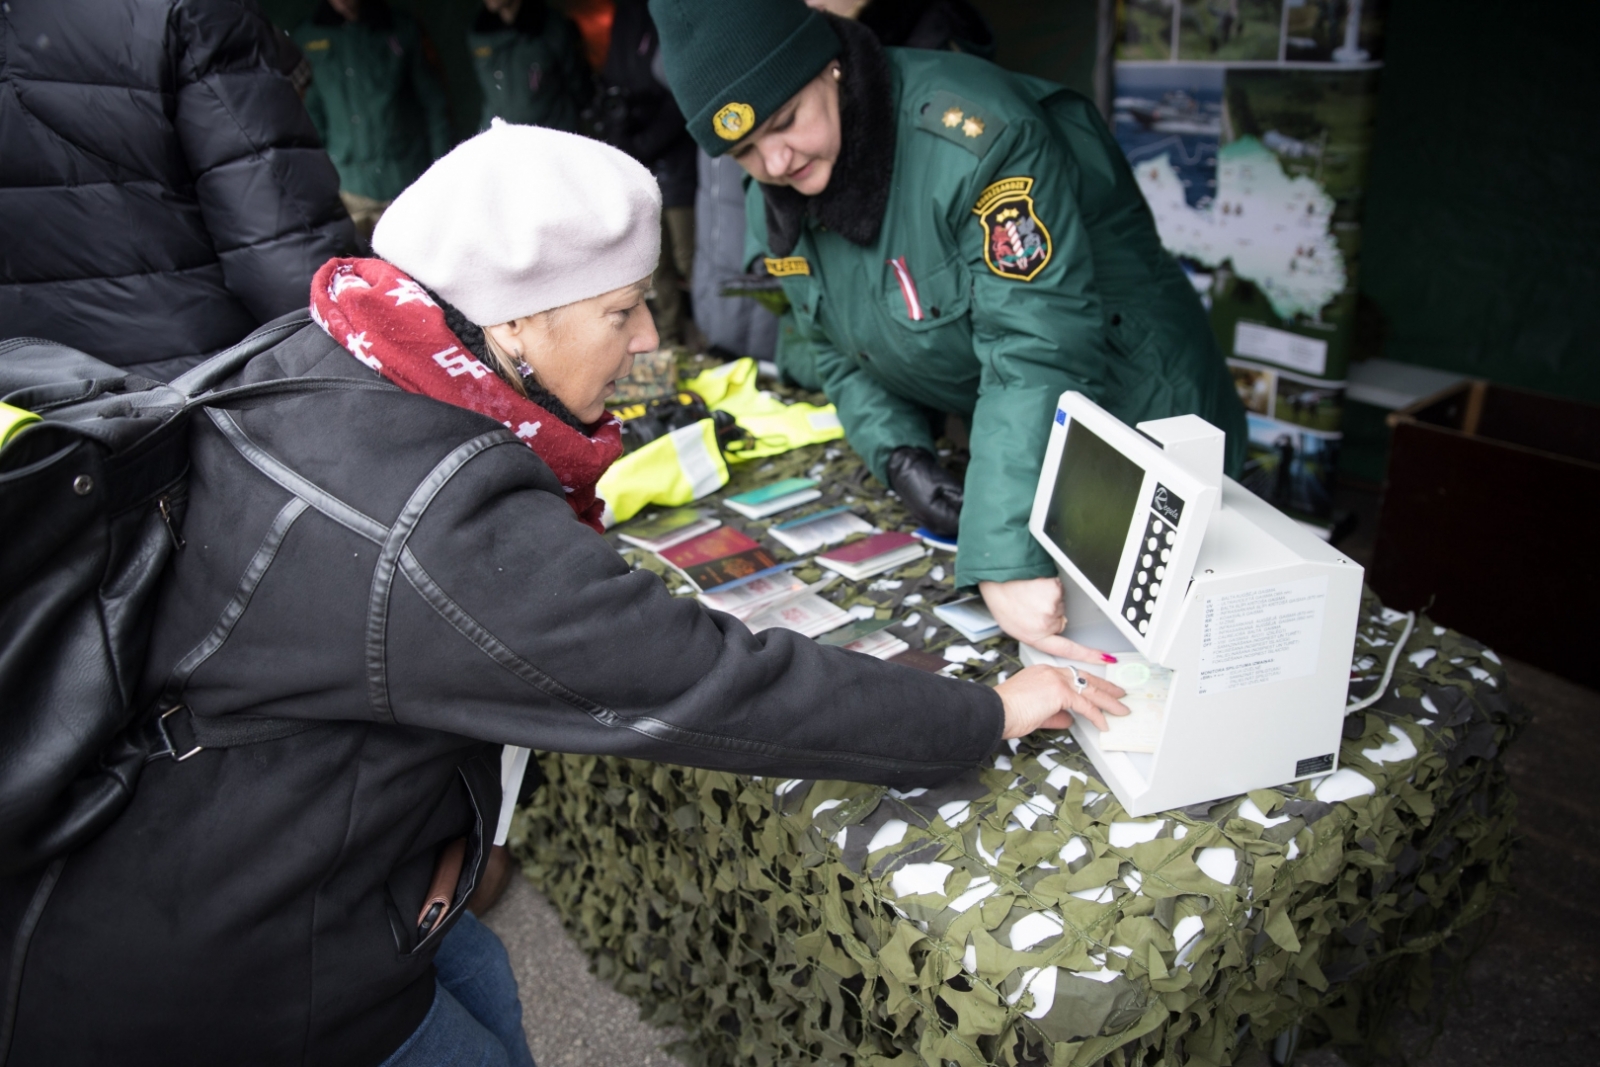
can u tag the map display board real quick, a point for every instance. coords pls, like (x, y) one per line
(1249, 124)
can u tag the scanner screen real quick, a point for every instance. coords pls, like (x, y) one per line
(1096, 493)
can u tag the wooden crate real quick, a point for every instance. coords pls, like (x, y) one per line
(1490, 520)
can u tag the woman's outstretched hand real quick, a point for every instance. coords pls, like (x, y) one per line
(1044, 696)
(1031, 610)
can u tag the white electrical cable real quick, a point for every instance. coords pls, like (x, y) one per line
(1388, 671)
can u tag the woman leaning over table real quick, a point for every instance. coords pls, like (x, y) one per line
(416, 574)
(954, 239)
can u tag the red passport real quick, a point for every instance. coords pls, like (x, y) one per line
(868, 548)
(719, 543)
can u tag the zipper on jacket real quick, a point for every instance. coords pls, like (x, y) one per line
(164, 505)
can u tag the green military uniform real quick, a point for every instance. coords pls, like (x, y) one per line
(531, 72)
(374, 98)
(1016, 259)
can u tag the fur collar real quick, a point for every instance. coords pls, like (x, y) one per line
(858, 193)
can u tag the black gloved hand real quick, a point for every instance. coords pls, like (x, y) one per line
(932, 493)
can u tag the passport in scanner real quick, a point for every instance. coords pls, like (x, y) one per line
(1233, 625)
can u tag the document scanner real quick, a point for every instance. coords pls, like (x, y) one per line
(1247, 617)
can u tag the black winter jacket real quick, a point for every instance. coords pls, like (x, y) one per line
(407, 575)
(162, 190)
(641, 114)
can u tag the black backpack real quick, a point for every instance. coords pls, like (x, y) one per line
(91, 511)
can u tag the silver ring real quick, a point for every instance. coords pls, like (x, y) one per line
(1079, 682)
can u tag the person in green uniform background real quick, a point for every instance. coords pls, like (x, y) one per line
(942, 25)
(954, 238)
(375, 98)
(530, 65)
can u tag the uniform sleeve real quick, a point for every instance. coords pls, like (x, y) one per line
(876, 421)
(267, 190)
(511, 622)
(1034, 338)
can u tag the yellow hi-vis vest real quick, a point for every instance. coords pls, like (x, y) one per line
(13, 419)
(670, 471)
(775, 426)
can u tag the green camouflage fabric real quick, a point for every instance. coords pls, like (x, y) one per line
(654, 374)
(1018, 916)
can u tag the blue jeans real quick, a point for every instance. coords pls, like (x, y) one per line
(476, 1018)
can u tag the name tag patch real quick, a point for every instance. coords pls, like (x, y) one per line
(787, 266)
(1016, 244)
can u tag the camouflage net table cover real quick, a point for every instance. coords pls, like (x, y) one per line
(1018, 916)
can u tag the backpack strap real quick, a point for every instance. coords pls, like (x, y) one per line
(178, 733)
(197, 380)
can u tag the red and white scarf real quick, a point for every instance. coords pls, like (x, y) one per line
(388, 321)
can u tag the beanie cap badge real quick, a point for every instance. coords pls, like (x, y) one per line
(733, 121)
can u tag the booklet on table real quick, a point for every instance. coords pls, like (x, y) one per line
(881, 645)
(716, 558)
(806, 613)
(1148, 686)
(806, 535)
(715, 573)
(970, 617)
(857, 629)
(667, 528)
(746, 598)
(867, 636)
(874, 555)
(771, 499)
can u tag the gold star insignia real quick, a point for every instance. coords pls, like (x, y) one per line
(973, 127)
(953, 117)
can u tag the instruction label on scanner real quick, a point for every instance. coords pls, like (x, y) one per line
(1256, 636)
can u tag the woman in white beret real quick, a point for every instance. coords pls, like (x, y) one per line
(381, 586)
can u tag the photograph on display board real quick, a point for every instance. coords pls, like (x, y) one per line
(1256, 386)
(1248, 125)
(1310, 404)
(1290, 467)
(1144, 29)
(1336, 32)
(1333, 31)
(1169, 115)
(1285, 227)
(1230, 30)
(1255, 178)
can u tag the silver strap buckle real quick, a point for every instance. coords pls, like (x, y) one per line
(166, 735)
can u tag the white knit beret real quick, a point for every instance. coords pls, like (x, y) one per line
(521, 219)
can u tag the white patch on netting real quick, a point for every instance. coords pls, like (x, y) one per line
(1127, 834)
(917, 879)
(1218, 864)
(1034, 927)
(889, 834)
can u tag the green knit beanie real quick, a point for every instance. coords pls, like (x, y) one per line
(732, 63)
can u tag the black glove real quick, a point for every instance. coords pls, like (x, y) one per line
(932, 493)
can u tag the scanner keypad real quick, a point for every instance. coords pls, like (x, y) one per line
(1150, 567)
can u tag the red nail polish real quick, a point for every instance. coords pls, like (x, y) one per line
(1108, 658)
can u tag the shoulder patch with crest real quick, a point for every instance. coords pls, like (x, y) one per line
(787, 267)
(958, 119)
(1016, 244)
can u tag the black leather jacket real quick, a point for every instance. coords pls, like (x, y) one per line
(162, 190)
(406, 575)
